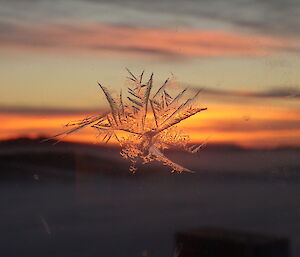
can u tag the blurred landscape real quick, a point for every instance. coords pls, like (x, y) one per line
(73, 199)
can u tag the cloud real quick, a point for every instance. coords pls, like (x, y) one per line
(278, 92)
(272, 17)
(19, 110)
(142, 41)
(269, 16)
(253, 125)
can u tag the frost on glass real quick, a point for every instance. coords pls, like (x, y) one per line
(145, 123)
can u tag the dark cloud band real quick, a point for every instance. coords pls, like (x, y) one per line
(278, 92)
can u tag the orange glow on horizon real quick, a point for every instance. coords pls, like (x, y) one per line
(261, 128)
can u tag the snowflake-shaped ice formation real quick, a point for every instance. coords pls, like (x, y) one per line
(147, 120)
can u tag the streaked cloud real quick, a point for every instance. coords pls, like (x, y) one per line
(278, 17)
(249, 125)
(277, 92)
(100, 38)
(170, 28)
(19, 110)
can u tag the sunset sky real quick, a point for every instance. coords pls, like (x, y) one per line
(245, 54)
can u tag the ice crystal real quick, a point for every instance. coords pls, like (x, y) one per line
(148, 121)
